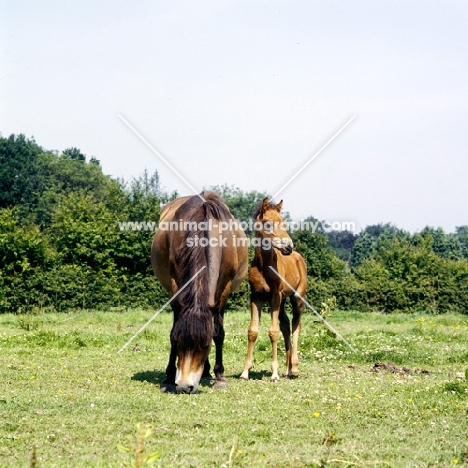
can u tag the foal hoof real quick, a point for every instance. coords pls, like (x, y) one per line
(220, 385)
(167, 388)
(207, 376)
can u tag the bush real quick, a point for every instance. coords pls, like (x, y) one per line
(404, 277)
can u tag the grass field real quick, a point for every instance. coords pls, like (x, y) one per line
(66, 391)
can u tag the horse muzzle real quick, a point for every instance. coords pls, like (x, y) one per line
(285, 246)
(188, 375)
(186, 389)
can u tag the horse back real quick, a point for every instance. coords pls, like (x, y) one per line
(226, 260)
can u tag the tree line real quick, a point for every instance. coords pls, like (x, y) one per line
(61, 247)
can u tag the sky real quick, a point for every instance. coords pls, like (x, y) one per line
(245, 93)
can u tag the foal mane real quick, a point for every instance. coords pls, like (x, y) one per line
(194, 327)
(265, 206)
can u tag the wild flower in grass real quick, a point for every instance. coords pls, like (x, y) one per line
(316, 414)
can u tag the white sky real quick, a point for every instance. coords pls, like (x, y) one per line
(245, 92)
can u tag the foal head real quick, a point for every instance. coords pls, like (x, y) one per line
(271, 225)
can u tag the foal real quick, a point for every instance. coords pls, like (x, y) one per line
(274, 262)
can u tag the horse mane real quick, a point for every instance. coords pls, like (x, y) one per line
(194, 327)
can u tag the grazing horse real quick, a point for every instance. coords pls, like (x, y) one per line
(274, 262)
(198, 245)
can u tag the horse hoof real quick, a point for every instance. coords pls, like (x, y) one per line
(167, 388)
(207, 377)
(220, 385)
(275, 379)
(244, 376)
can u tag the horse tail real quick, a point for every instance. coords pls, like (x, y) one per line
(194, 327)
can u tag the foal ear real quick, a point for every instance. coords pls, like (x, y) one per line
(279, 206)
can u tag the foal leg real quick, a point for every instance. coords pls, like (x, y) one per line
(286, 331)
(274, 332)
(220, 382)
(298, 307)
(255, 313)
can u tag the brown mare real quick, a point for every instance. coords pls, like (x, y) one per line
(274, 248)
(202, 234)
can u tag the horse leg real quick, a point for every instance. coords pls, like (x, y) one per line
(206, 370)
(286, 331)
(255, 313)
(220, 382)
(168, 384)
(298, 307)
(273, 333)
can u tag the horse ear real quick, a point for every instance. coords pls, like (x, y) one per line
(279, 206)
(264, 206)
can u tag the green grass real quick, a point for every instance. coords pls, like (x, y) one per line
(65, 390)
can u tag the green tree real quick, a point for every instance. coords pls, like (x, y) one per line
(320, 258)
(328, 276)
(462, 235)
(74, 153)
(24, 255)
(19, 168)
(402, 275)
(342, 242)
(62, 175)
(100, 265)
(371, 238)
(143, 198)
(22, 247)
(444, 245)
(85, 232)
(68, 250)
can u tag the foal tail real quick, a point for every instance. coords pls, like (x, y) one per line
(194, 327)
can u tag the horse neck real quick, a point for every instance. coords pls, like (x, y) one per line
(265, 257)
(202, 292)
